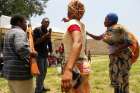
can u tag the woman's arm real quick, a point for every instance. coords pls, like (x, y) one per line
(73, 56)
(76, 49)
(95, 37)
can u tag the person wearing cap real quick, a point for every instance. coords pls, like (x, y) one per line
(121, 52)
(43, 46)
(76, 70)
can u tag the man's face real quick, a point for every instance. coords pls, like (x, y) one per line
(45, 24)
(106, 22)
(23, 24)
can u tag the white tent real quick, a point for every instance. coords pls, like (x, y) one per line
(5, 21)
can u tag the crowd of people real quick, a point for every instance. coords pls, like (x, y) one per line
(57, 57)
(123, 52)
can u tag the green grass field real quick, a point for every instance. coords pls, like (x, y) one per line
(99, 79)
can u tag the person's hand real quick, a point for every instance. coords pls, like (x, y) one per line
(46, 36)
(107, 36)
(65, 20)
(33, 54)
(87, 33)
(50, 30)
(66, 82)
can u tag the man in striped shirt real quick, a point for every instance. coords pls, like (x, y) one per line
(16, 57)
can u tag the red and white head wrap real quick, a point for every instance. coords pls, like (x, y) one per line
(75, 10)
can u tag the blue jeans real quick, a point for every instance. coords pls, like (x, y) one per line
(42, 65)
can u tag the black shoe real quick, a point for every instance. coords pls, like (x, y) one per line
(46, 89)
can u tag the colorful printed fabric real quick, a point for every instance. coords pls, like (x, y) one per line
(118, 35)
(119, 64)
(83, 66)
(119, 71)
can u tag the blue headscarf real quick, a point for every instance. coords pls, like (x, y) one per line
(112, 17)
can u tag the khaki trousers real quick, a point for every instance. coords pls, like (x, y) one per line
(21, 86)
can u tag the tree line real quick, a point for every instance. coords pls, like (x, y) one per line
(23, 7)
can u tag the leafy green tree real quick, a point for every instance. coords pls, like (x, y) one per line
(24, 7)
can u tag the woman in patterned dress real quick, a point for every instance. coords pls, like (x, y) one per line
(123, 47)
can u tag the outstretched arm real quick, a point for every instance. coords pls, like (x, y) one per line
(95, 37)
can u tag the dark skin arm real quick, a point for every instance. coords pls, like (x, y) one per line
(94, 37)
(74, 54)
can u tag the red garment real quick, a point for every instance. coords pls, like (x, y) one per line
(61, 49)
(73, 27)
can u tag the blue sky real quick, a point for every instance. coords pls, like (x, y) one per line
(96, 10)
